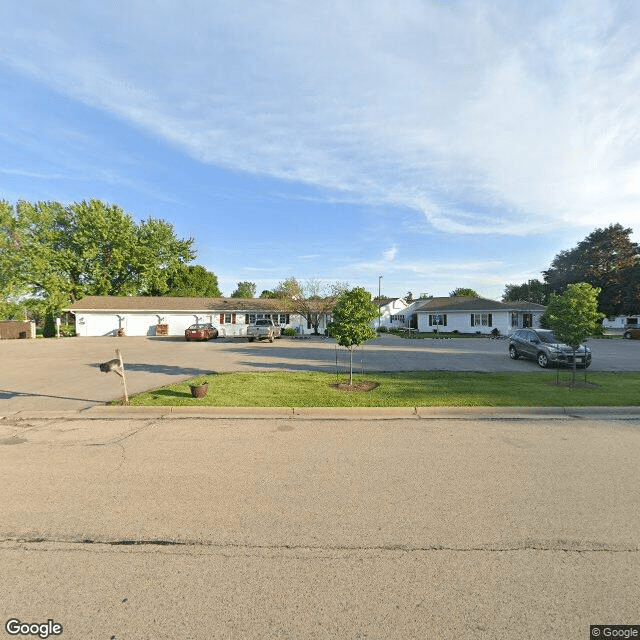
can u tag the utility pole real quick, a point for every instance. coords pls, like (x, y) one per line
(379, 302)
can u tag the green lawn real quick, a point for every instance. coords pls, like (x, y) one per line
(283, 389)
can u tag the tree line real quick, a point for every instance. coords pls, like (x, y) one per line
(52, 255)
(606, 259)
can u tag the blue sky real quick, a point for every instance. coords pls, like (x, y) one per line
(438, 144)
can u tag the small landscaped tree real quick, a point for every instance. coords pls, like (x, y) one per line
(352, 318)
(574, 315)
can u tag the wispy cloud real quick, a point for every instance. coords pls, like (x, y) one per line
(481, 117)
(390, 254)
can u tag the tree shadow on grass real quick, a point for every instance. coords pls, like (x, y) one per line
(169, 393)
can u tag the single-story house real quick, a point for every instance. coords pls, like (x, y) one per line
(392, 313)
(621, 322)
(467, 314)
(142, 315)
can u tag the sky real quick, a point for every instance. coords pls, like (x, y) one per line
(438, 144)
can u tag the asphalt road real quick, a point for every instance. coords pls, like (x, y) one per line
(155, 528)
(64, 374)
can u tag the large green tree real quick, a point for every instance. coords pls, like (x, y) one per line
(245, 290)
(464, 291)
(62, 253)
(352, 317)
(606, 259)
(192, 281)
(574, 316)
(531, 291)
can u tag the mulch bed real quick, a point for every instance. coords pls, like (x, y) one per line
(357, 386)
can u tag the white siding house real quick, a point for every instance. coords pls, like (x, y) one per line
(393, 312)
(466, 314)
(140, 315)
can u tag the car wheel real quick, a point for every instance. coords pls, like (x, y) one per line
(627, 335)
(251, 339)
(543, 360)
(215, 334)
(513, 353)
(187, 339)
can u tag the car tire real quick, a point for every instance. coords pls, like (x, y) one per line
(250, 339)
(187, 339)
(513, 353)
(543, 360)
(215, 334)
(627, 335)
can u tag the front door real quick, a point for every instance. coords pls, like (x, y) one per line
(527, 320)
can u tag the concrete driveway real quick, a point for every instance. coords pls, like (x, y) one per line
(64, 374)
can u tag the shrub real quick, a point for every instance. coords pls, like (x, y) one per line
(495, 332)
(289, 331)
(383, 329)
(67, 330)
(49, 329)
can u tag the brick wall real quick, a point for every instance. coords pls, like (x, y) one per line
(12, 329)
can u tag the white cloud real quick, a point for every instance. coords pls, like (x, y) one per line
(390, 254)
(484, 118)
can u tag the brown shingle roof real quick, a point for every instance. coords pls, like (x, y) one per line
(471, 303)
(166, 304)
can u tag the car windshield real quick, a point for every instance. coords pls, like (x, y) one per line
(548, 336)
(195, 327)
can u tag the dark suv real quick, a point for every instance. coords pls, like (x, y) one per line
(541, 345)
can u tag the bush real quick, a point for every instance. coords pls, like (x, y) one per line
(289, 331)
(49, 329)
(383, 329)
(67, 330)
(495, 332)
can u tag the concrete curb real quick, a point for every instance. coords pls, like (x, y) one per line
(336, 413)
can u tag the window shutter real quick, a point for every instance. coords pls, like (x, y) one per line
(472, 320)
(445, 319)
(233, 319)
(246, 318)
(222, 318)
(491, 320)
(430, 320)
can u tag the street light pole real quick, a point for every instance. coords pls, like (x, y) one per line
(379, 302)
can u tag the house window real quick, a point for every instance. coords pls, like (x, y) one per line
(514, 318)
(481, 320)
(438, 319)
(397, 318)
(227, 318)
(284, 318)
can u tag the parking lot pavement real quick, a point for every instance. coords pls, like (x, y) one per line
(64, 374)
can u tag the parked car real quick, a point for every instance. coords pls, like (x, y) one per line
(263, 329)
(200, 331)
(544, 347)
(631, 333)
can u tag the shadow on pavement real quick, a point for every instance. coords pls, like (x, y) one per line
(165, 369)
(8, 395)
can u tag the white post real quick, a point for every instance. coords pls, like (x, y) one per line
(124, 381)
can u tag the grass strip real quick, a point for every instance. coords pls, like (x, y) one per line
(402, 389)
